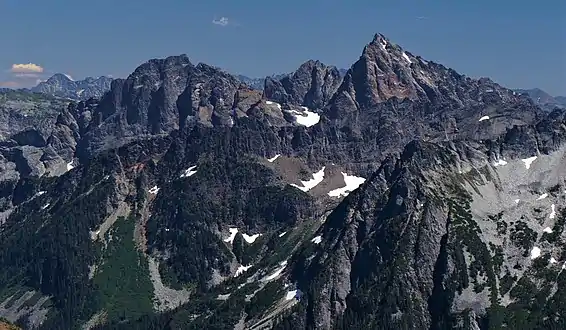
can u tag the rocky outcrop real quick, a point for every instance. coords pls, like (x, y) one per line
(312, 85)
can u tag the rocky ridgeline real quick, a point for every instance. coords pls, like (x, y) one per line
(397, 194)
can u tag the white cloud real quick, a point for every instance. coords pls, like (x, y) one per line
(223, 21)
(26, 68)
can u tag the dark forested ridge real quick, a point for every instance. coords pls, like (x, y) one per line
(396, 195)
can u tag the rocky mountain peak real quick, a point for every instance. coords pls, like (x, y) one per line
(311, 85)
(385, 71)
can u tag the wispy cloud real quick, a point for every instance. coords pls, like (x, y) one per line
(223, 21)
(28, 68)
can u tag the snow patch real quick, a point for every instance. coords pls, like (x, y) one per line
(45, 206)
(528, 161)
(188, 172)
(306, 117)
(499, 162)
(70, 165)
(547, 230)
(317, 239)
(352, 183)
(242, 269)
(40, 193)
(154, 190)
(271, 160)
(282, 234)
(517, 201)
(293, 294)
(484, 118)
(308, 185)
(277, 272)
(250, 238)
(535, 253)
(552, 260)
(552, 211)
(273, 103)
(406, 57)
(543, 196)
(233, 232)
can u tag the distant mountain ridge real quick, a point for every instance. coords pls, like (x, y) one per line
(543, 99)
(63, 85)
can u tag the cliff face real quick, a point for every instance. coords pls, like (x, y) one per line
(397, 195)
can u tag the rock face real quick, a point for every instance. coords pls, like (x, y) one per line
(62, 85)
(312, 85)
(397, 195)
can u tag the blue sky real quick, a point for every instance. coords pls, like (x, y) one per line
(520, 44)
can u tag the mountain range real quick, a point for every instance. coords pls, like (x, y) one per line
(398, 194)
(543, 99)
(62, 85)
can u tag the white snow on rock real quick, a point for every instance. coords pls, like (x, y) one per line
(564, 266)
(154, 190)
(528, 161)
(547, 230)
(271, 160)
(223, 296)
(188, 172)
(293, 294)
(233, 232)
(517, 201)
(306, 117)
(352, 183)
(308, 185)
(406, 57)
(273, 103)
(45, 206)
(40, 193)
(282, 234)
(484, 118)
(552, 211)
(317, 239)
(277, 272)
(242, 269)
(552, 260)
(70, 165)
(499, 162)
(94, 234)
(535, 253)
(250, 238)
(543, 196)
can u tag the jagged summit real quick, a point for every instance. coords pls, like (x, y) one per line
(398, 195)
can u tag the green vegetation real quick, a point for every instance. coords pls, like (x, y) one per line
(123, 278)
(523, 236)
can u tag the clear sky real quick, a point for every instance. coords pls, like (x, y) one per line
(520, 43)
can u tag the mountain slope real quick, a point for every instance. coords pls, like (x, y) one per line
(62, 85)
(543, 99)
(383, 199)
